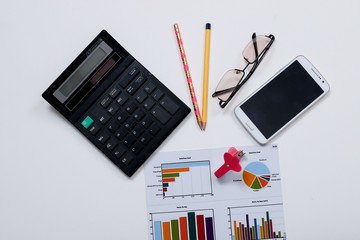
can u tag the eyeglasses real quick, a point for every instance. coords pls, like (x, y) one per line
(233, 79)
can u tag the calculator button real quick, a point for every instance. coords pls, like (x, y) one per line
(104, 118)
(150, 87)
(127, 158)
(121, 133)
(154, 129)
(145, 138)
(122, 116)
(130, 124)
(127, 79)
(119, 151)
(141, 96)
(111, 144)
(147, 122)
(157, 94)
(114, 92)
(122, 99)
(138, 131)
(131, 107)
(133, 71)
(114, 125)
(103, 137)
(169, 105)
(113, 108)
(87, 122)
(134, 86)
(129, 140)
(94, 129)
(139, 114)
(106, 102)
(149, 103)
(137, 148)
(161, 114)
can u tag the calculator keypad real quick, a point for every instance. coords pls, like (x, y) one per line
(132, 118)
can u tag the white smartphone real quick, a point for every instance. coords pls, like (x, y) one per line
(283, 98)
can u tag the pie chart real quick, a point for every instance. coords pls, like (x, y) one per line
(256, 175)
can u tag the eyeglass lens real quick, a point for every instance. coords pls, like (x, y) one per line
(232, 77)
(249, 50)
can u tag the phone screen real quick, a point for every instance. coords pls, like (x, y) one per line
(281, 99)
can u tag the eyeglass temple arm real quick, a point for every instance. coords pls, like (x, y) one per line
(217, 93)
(255, 45)
(259, 59)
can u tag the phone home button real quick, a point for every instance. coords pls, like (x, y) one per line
(250, 126)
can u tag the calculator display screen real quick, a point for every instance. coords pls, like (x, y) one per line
(83, 71)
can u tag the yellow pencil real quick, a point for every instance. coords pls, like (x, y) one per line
(206, 76)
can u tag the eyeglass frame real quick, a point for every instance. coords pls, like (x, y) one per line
(243, 80)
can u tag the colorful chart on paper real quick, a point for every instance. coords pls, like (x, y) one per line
(186, 179)
(183, 225)
(256, 175)
(186, 201)
(257, 222)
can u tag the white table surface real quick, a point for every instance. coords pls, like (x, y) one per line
(55, 185)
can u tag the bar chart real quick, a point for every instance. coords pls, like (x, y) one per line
(257, 222)
(186, 179)
(184, 225)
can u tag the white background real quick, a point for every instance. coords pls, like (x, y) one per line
(55, 185)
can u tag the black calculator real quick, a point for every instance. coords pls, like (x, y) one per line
(123, 109)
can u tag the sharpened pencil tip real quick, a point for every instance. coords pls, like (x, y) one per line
(202, 126)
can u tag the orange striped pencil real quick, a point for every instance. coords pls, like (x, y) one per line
(188, 75)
